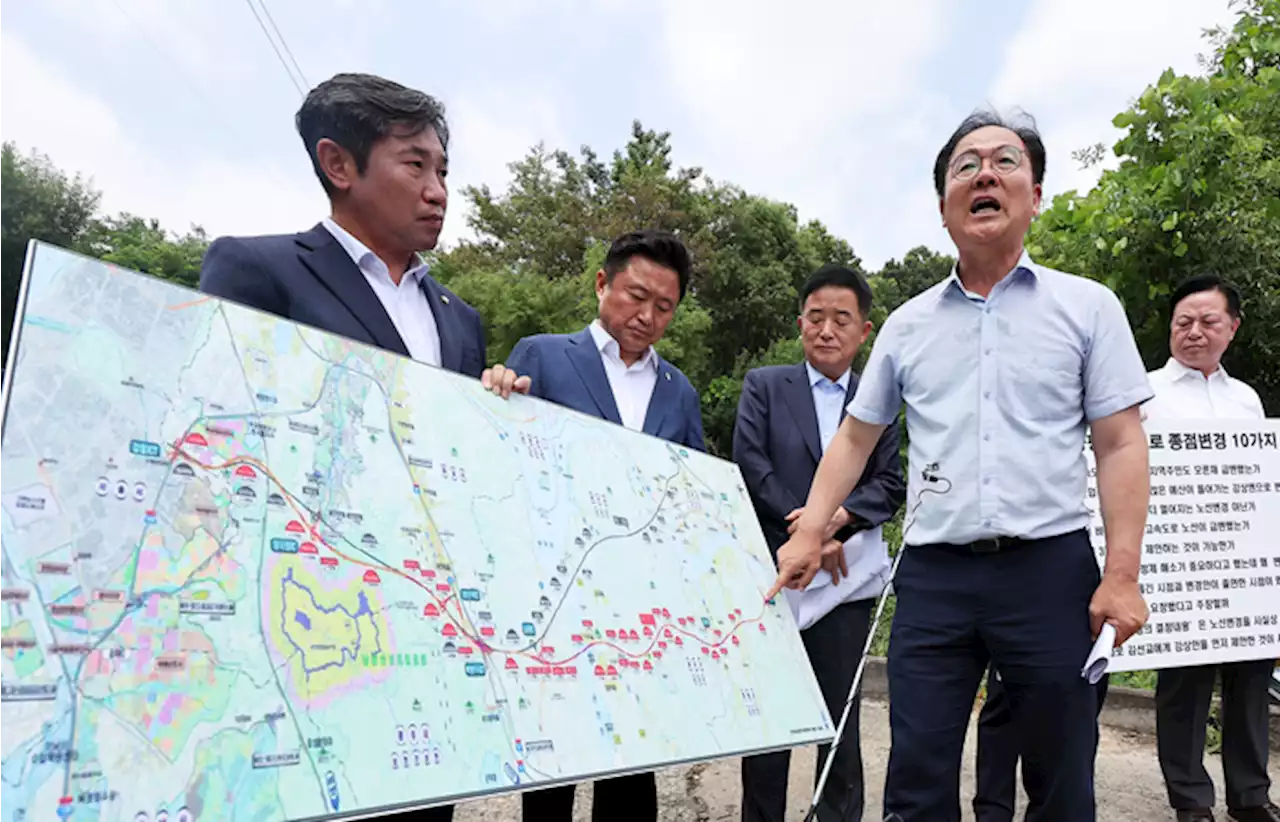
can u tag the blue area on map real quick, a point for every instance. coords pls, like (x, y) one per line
(348, 653)
(45, 322)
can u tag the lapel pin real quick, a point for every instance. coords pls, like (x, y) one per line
(444, 298)
(668, 376)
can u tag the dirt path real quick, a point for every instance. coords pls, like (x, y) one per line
(1129, 785)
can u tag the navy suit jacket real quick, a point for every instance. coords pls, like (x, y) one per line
(310, 278)
(566, 369)
(776, 444)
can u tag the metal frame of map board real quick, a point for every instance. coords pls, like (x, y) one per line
(753, 540)
(16, 334)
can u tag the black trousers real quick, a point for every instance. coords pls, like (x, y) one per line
(1024, 608)
(996, 797)
(1182, 708)
(623, 798)
(834, 646)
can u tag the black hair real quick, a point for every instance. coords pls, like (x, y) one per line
(358, 110)
(659, 247)
(1021, 124)
(1207, 282)
(841, 277)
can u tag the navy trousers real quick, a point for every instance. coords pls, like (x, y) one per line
(1025, 609)
(996, 797)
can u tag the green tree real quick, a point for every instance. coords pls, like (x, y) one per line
(540, 242)
(142, 245)
(1197, 190)
(41, 203)
(899, 281)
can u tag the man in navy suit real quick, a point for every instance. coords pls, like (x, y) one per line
(786, 417)
(610, 370)
(380, 151)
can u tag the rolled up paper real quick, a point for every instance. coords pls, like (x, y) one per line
(1100, 657)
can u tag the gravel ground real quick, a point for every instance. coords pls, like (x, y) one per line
(1129, 785)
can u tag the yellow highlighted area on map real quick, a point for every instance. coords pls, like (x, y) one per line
(324, 630)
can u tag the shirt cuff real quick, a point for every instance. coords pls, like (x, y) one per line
(1095, 411)
(867, 415)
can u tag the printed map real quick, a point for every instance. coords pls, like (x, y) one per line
(256, 571)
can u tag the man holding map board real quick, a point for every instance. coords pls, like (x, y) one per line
(381, 152)
(1205, 315)
(610, 370)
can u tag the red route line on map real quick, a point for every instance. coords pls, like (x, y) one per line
(485, 647)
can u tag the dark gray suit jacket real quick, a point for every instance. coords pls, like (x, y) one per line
(775, 443)
(310, 278)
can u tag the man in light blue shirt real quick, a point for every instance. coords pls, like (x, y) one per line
(1001, 367)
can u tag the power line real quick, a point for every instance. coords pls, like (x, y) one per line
(284, 44)
(276, 49)
(219, 119)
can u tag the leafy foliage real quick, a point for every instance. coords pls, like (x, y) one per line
(142, 245)
(1197, 190)
(539, 243)
(40, 202)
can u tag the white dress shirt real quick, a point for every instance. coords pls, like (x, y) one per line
(1185, 393)
(632, 385)
(406, 304)
(866, 555)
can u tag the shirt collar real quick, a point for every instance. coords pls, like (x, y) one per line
(363, 256)
(1025, 265)
(1177, 371)
(816, 376)
(606, 344)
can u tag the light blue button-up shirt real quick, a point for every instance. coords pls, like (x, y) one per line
(998, 393)
(828, 402)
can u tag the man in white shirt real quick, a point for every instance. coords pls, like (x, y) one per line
(787, 416)
(1194, 385)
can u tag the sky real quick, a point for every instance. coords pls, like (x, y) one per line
(181, 110)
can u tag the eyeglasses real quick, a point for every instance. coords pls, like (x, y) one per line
(1004, 160)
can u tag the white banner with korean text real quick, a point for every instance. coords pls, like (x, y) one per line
(1211, 554)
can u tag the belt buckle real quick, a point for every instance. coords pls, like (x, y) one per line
(988, 546)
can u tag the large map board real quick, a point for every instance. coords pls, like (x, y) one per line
(253, 570)
(1211, 553)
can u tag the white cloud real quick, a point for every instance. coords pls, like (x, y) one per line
(44, 110)
(1076, 65)
(486, 134)
(183, 32)
(824, 106)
